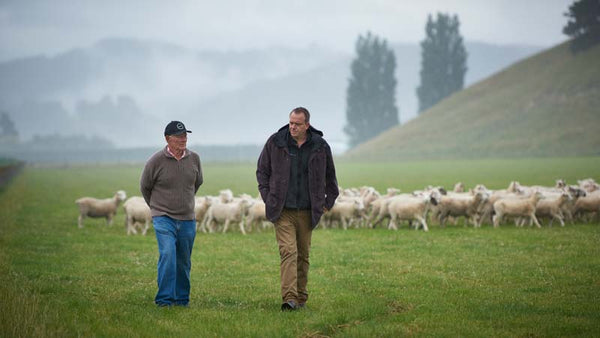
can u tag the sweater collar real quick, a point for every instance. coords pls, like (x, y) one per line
(169, 153)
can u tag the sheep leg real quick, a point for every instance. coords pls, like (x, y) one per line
(242, 227)
(392, 224)
(496, 219)
(422, 220)
(443, 220)
(534, 219)
(560, 219)
(146, 227)
(226, 225)
(344, 223)
(80, 221)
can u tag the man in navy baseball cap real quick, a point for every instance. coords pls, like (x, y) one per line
(175, 128)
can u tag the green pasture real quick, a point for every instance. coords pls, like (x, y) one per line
(58, 280)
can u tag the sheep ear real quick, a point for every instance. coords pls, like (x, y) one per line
(433, 200)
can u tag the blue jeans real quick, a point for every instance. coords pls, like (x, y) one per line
(175, 241)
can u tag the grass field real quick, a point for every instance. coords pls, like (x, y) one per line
(58, 280)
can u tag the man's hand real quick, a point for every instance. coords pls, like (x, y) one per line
(325, 209)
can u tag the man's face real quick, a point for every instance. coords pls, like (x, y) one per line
(177, 143)
(298, 125)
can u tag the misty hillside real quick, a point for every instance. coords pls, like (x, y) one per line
(546, 105)
(125, 90)
(323, 91)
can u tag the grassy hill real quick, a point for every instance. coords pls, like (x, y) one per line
(545, 105)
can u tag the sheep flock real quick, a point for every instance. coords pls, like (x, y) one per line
(365, 207)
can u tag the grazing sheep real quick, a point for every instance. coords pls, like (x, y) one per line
(516, 207)
(551, 207)
(201, 205)
(568, 208)
(257, 213)
(590, 204)
(228, 212)
(459, 187)
(93, 207)
(411, 208)
(459, 204)
(369, 194)
(137, 212)
(226, 195)
(589, 185)
(345, 211)
(379, 207)
(486, 209)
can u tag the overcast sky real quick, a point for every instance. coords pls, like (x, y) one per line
(32, 27)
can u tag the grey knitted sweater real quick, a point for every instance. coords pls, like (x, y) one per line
(169, 185)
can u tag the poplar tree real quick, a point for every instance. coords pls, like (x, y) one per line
(443, 61)
(371, 93)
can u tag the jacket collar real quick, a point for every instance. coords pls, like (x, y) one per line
(283, 132)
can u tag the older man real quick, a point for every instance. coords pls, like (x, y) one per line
(296, 179)
(169, 183)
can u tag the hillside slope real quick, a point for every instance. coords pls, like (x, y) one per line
(546, 105)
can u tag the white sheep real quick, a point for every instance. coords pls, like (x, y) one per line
(517, 207)
(226, 213)
(486, 209)
(379, 206)
(226, 195)
(461, 204)
(412, 208)
(257, 214)
(590, 204)
(93, 207)
(137, 212)
(459, 187)
(568, 208)
(345, 211)
(201, 205)
(589, 185)
(551, 206)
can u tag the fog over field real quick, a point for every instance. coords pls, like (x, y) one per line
(230, 71)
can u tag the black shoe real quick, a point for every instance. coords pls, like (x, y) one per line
(289, 306)
(301, 306)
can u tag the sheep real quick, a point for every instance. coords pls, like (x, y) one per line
(459, 187)
(588, 204)
(201, 205)
(379, 207)
(345, 211)
(369, 194)
(568, 207)
(412, 208)
(93, 207)
(257, 213)
(517, 207)
(136, 213)
(459, 204)
(551, 207)
(589, 185)
(226, 195)
(228, 212)
(486, 209)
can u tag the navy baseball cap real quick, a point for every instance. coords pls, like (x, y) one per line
(175, 128)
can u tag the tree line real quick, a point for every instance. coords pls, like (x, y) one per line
(370, 96)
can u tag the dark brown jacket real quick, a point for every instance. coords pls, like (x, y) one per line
(273, 174)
